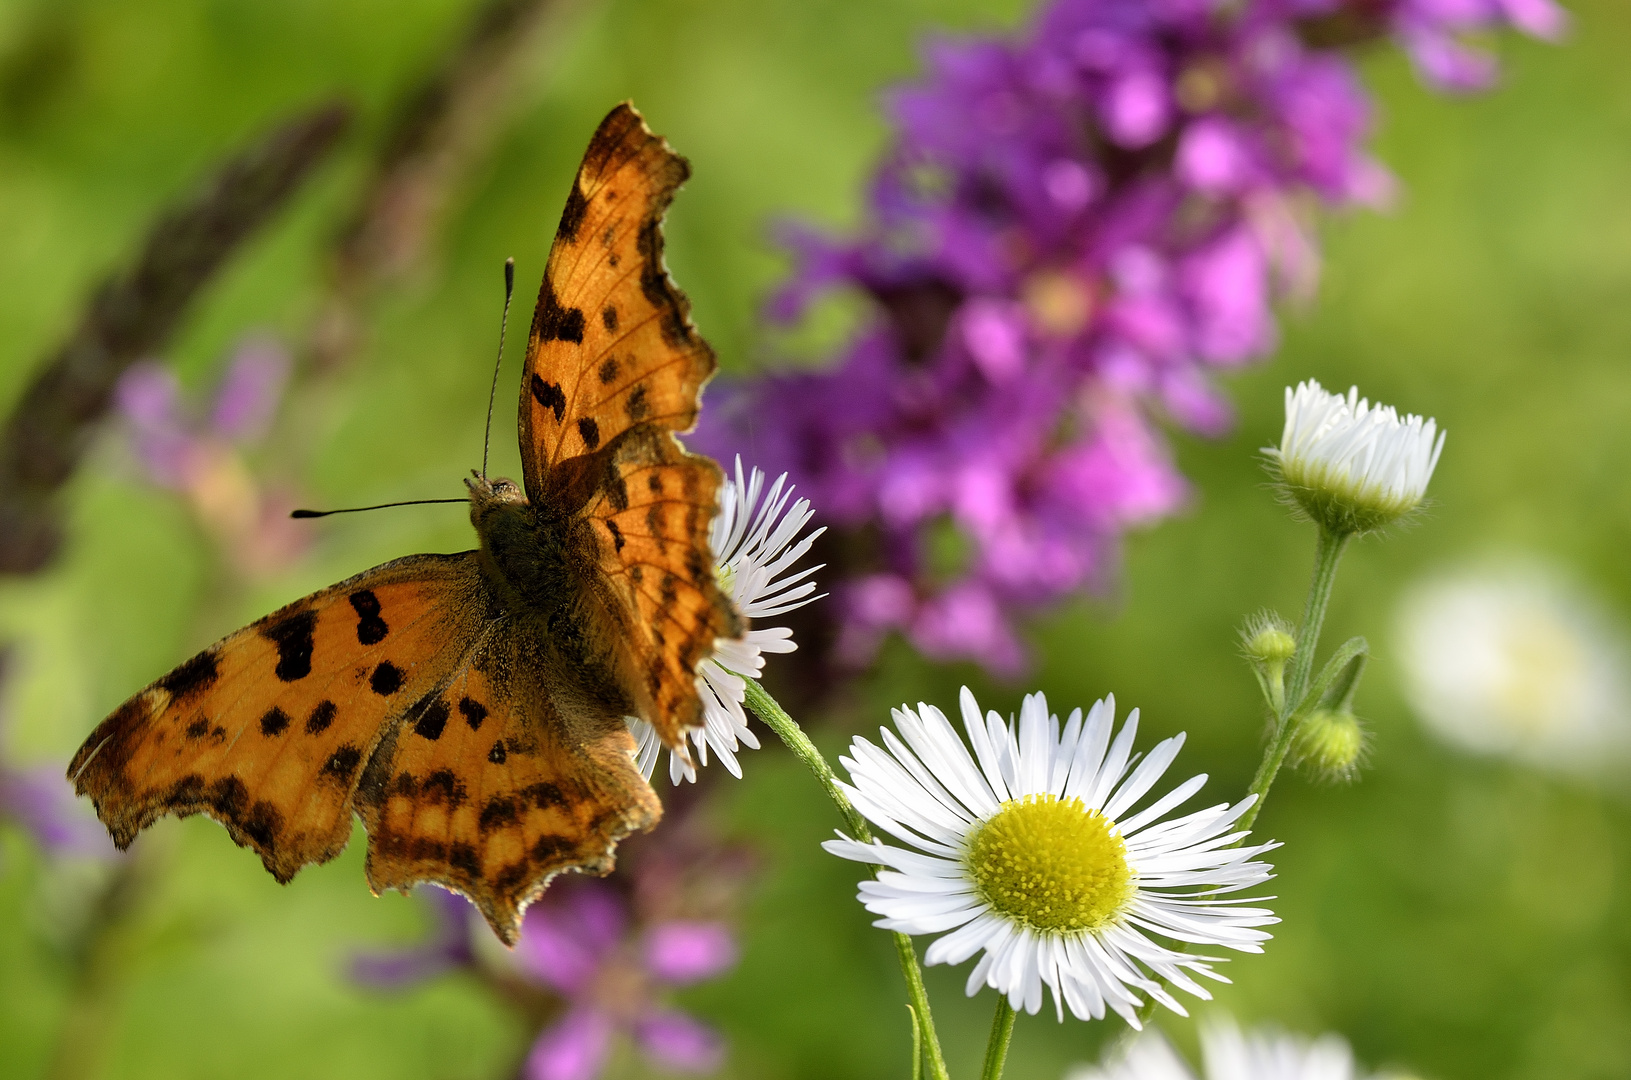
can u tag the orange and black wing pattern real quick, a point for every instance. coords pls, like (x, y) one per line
(268, 730)
(497, 783)
(612, 345)
(651, 516)
(614, 368)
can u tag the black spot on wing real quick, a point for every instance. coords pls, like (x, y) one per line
(228, 796)
(499, 812)
(442, 786)
(191, 678)
(474, 712)
(275, 722)
(293, 636)
(655, 285)
(342, 764)
(608, 367)
(617, 534)
(543, 795)
(590, 431)
(262, 824)
(497, 754)
(321, 717)
(432, 718)
(549, 849)
(552, 322)
(572, 215)
(463, 857)
(386, 679)
(371, 629)
(636, 404)
(608, 319)
(548, 395)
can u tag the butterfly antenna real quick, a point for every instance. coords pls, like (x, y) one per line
(360, 509)
(492, 394)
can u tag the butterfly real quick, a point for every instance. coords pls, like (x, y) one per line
(470, 708)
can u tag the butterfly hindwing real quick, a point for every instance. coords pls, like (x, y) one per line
(612, 344)
(500, 780)
(268, 730)
(652, 515)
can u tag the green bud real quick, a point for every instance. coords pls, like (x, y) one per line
(1268, 640)
(1332, 743)
(1268, 643)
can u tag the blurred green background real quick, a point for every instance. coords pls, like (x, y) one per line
(1459, 917)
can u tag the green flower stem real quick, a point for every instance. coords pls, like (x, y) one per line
(1291, 709)
(790, 733)
(996, 1050)
(1288, 718)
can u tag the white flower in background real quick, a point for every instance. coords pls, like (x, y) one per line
(1351, 466)
(756, 543)
(1229, 1055)
(1514, 660)
(1030, 850)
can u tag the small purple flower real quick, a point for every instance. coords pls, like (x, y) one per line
(580, 942)
(577, 941)
(446, 948)
(198, 451)
(42, 802)
(1074, 231)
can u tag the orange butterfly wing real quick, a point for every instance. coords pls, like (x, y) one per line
(268, 730)
(481, 741)
(499, 783)
(613, 368)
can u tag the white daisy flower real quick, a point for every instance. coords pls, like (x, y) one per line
(756, 543)
(1515, 659)
(1030, 850)
(1264, 1054)
(1353, 467)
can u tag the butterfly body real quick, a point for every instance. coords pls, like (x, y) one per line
(470, 708)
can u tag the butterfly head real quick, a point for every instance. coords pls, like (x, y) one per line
(493, 496)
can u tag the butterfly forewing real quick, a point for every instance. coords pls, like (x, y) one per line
(612, 344)
(268, 730)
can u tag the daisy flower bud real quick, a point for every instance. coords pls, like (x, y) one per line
(1268, 640)
(1268, 643)
(1350, 466)
(1332, 743)
(1029, 851)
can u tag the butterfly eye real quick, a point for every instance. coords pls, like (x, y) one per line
(503, 487)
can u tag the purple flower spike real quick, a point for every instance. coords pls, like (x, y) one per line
(676, 1041)
(1075, 230)
(686, 952)
(574, 1049)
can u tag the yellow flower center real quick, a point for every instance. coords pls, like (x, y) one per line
(1051, 864)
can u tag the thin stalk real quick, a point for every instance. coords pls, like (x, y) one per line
(996, 1049)
(1327, 553)
(1290, 711)
(790, 733)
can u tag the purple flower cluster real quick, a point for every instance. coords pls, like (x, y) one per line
(1072, 231)
(581, 943)
(198, 451)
